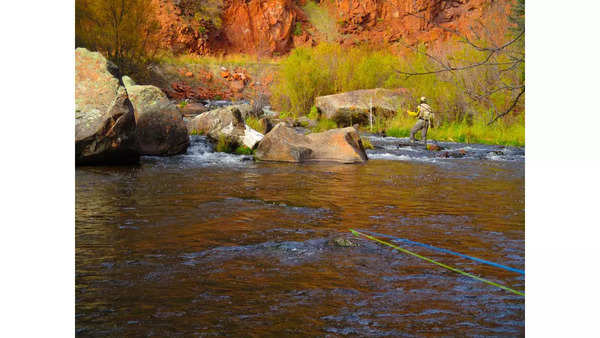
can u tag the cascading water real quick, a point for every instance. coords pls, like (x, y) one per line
(386, 148)
(201, 152)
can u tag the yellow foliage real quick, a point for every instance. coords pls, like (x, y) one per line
(125, 31)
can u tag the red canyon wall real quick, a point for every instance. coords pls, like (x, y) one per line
(267, 26)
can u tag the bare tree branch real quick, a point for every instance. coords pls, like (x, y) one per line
(516, 59)
(514, 103)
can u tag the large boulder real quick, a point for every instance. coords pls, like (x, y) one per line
(245, 110)
(160, 127)
(353, 107)
(284, 144)
(192, 109)
(104, 117)
(225, 122)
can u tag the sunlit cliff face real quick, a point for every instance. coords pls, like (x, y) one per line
(276, 26)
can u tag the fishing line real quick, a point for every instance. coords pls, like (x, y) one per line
(396, 239)
(358, 234)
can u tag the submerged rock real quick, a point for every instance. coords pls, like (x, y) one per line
(353, 107)
(104, 116)
(160, 127)
(343, 242)
(452, 154)
(284, 144)
(225, 122)
(434, 147)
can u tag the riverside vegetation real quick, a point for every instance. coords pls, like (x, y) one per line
(462, 111)
(465, 101)
(328, 68)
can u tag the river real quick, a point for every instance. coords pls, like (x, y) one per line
(212, 244)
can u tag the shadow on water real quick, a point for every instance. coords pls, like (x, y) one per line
(211, 244)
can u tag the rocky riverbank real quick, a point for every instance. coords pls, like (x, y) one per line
(118, 120)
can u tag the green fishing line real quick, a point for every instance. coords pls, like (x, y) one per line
(358, 234)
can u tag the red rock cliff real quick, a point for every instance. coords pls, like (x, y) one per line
(259, 25)
(420, 20)
(267, 26)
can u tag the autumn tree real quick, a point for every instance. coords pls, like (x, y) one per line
(496, 77)
(124, 30)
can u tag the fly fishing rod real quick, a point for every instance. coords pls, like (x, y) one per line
(396, 239)
(464, 273)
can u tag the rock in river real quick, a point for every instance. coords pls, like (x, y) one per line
(344, 243)
(160, 127)
(353, 107)
(284, 144)
(225, 122)
(104, 116)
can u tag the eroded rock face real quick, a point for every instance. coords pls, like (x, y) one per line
(104, 117)
(160, 127)
(267, 26)
(284, 144)
(225, 122)
(263, 26)
(179, 31)
(248, 26)
(419, 20)
(353, 107)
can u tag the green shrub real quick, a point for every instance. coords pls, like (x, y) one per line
(225, 144)
(243, 150)
(287, 114)
(323, 125)
(255, 124)
(366, 143)
(464, 101)
(327, 69)
(298, 29)
(314, 113)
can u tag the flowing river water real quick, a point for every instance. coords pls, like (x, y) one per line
(212, 244)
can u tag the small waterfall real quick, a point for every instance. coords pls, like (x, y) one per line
(201, 153)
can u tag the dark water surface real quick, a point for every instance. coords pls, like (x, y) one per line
(209, 244)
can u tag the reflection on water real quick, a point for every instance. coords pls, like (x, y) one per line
(220, 245)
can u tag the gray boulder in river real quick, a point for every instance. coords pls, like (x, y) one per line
(104, 117)
(353, 107)
(225, 122)
(284, 144)
(160, 127)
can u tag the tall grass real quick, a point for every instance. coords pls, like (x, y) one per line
(463, 101)
(327, 69)
(323, 125)
(215, 60)
(255, 124)
(501, 132)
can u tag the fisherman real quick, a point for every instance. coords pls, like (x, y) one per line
(424, 122)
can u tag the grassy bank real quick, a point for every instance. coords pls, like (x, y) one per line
(231, 60)
(464, 101)
(501, 132)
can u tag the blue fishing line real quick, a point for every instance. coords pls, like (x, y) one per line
(396, 239)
